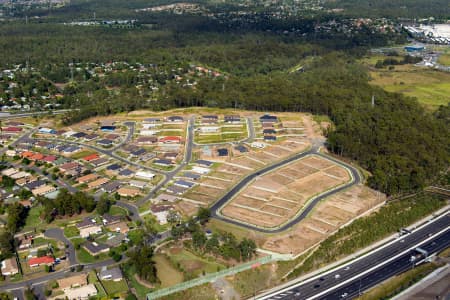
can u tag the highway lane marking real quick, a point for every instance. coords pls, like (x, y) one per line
(350, 262)
(379, 265)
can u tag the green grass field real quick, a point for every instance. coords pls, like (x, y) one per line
(33, 219)
(117, 211)
(82, 154)
(71, 231)
(430, 87)
(193, 264)
(114, 287)
(167, 274)
(444, 59)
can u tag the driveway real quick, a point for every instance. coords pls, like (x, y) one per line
(58, 234)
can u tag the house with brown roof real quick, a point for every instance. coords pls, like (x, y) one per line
(97, 183)
(87, 178)
(9, 266)
(88, 227)
(72, 282)
(42, 190)
(128, 192)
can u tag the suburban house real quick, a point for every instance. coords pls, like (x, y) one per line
(166, 198)
(97, 183)
(90, 137)
(24, 241)
(241, 148)
(209, 129)
(170, 140)
(270, 138)
(175, 119)
(126, 173)
(200, 170)
(128, 192)
(151, 120)
(210, 119)
(204, 163)
(43, 190)
(114, 274)
(268, 119)
(148, 132)
(170, 155)
(107, 128)
(39, 261)
(137, 183)
(161, 212)
(111, 186)
(222, 152)
(95, 249)
(99, 162)
(87, 178)
(176, 189)
(232, 119)
(84, 292)
(146, 140)
(112, 137)
(163, 162)
(87, 227)
(185, 184)
(9, 266)
(91, 157)
(104, 142)
(145, 174)
(191, 176)
(120, 227)
(79, 135)
(269, 131)
(72, 282)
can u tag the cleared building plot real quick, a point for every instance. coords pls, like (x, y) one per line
(326, 218)
(276, 197)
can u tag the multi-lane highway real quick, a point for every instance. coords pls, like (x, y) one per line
(349, 280)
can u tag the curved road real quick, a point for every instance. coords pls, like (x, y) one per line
(216, 207)
(58, 234)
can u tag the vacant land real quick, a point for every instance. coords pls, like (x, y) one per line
(274, 198)
(430, 87)
(167, 273)
(326, 217)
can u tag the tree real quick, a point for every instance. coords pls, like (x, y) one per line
(142, 259)
(203, 215)
(6, 244)
(212, 245)
(173, 217)
(177, 232)
(103, 205)
(199, 239)
(16, 216)
(247, 247)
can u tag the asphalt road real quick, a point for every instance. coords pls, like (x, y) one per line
(216, 207)
(58, 234)
(311, 288)
(397, 266)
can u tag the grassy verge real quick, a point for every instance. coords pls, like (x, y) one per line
(115, 287)
(394, 286)
(249, 282)
(71, 231)
(33, 219)
(201, 292)
(117, 211)
(365, 231)
(192, 264)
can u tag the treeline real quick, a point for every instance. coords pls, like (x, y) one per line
(66, 204)
(408, 59)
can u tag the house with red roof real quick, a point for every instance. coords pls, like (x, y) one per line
(27, 154)
(37, 156)
(91, 157)
(49, 158)
(12, 129)
(170, 140)
(43, 260)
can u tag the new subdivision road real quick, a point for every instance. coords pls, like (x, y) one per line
(215, 209)
(351, 279)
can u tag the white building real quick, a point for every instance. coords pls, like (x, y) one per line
(145, 174)
(200, 170)
(209, 129)
(148, 132)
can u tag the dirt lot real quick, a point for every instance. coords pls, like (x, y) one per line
(276, 197)
(327, 217)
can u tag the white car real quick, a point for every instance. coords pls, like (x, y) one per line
(344, 295)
